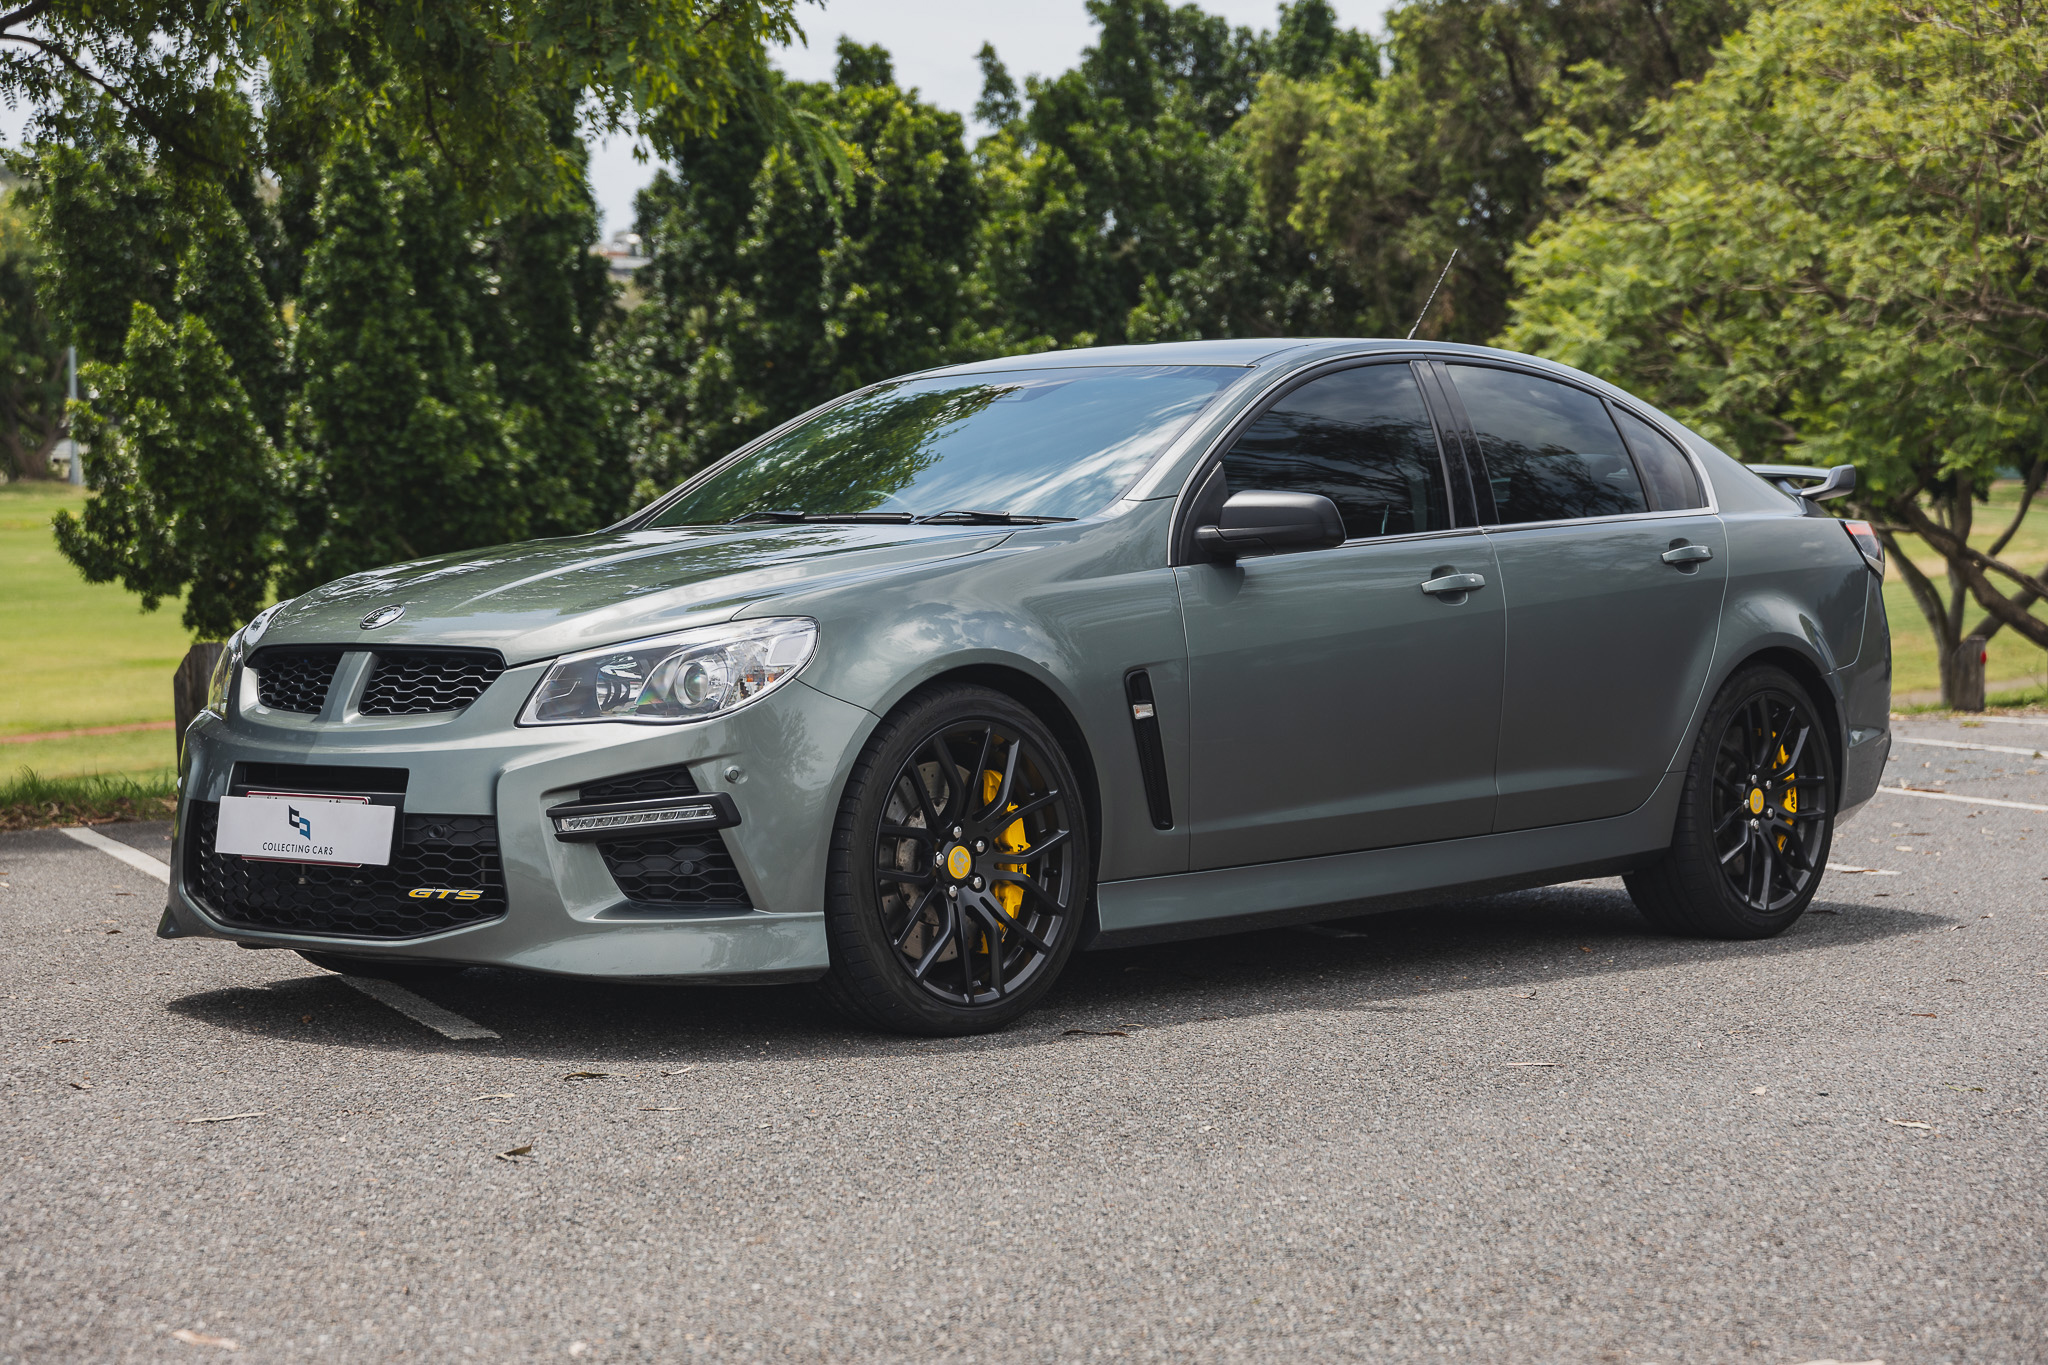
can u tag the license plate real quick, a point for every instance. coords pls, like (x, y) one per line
(306, 829)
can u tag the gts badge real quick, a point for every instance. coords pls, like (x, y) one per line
(443, 893)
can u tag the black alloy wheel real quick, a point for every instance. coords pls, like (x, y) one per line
(960, 867)
(1755, 820)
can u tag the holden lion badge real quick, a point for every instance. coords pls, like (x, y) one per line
(383, 616)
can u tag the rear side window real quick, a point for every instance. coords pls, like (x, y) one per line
(1672, 481)
(1551, 452)
(1362, 439)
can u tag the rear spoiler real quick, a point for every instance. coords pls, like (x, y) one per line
(1834, 483)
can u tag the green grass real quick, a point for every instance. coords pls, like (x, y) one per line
(29, 800)
(1915, 661)
(78, 654)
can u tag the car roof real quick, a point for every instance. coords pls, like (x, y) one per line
(1237, 353)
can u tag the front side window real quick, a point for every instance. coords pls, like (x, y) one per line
(1551, 452)
(1362, 439)
(1673, 482)
(1037, 443)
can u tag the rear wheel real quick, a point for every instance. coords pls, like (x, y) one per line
(960, 867)
(1755, 820)
(397, 970)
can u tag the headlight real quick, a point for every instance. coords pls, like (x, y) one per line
(691, 675)
(223, 675)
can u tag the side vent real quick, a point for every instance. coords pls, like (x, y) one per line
(1151, 753)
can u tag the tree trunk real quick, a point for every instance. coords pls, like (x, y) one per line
(188, 688)
(1962, 675)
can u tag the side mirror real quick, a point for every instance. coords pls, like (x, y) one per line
(1256, 523)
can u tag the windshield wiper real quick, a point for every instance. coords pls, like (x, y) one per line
(876, 518)
(963, 517)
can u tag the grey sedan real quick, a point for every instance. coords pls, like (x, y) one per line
(937, 684)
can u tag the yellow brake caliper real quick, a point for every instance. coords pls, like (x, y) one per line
(1009, 895)
(1791, 801)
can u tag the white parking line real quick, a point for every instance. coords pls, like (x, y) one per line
(1958, 744)
(447, 1023)
(1951, 796)
(114, 848)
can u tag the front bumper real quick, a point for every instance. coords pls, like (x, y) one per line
(564, 911)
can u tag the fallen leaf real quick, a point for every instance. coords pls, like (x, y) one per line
(74, 1040)
(586, 1076)
(192, 1338)
(1908, 1123)
(684, 1072)
(305, 1018)
(228, 1118)
(1530, 996)
(494, 1097)
(577, 1348)
(1923, 1016)
(1761, 1090)
(1095, 1032)
(516, 1153)
(1584, 949)
(1978, 1088)
(79, 1085)
(661, 1109)
(1534, 1064)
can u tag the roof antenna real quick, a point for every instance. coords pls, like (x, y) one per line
(1432, 294)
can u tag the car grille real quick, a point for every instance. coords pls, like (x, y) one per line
(691, 870)
(294, 679)
(442, 852)
(413, 683)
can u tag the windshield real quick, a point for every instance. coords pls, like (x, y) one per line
(1027, 443)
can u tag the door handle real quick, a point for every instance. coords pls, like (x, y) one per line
(1455, 582)
(1687, 554)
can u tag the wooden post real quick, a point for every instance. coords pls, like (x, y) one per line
(1962, 683)
(188, 687)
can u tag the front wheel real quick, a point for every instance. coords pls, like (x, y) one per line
(960, 867)
(1755, 820)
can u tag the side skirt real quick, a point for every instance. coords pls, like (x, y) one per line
(1230, 900)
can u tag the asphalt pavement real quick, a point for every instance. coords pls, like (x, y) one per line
(1523, 1128)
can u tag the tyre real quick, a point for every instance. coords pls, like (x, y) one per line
(960, 867)
(1755, 820)
(385, 968)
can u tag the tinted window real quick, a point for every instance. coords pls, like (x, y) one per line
(1551, 452)
(1362, 439)
(1672, 481)
(1048, 443)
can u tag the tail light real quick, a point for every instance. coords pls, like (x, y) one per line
(1865, 537)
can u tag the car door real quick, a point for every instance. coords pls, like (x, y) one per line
(1612, 572)
(1335, 701)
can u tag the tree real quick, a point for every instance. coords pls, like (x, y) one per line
(436, 386)
(32, 375)
(771, 292)
(1830, 250)
(476, 86)
(1366, 189)
(189, 490)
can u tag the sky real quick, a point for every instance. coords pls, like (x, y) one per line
(933, 43)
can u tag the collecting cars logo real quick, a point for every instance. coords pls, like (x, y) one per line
(302, 826)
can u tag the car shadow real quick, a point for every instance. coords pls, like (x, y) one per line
(1388, 963)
